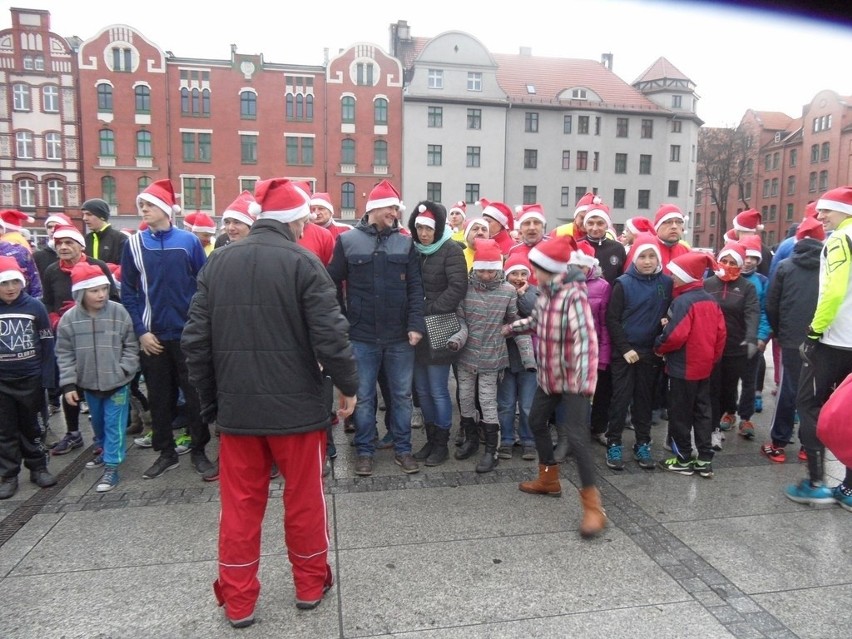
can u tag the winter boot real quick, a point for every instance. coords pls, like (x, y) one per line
(489, 457)
(135, 426)
(424, 452)
(594, 517)
(471, 438)
(560, 451)
(440, 447)
(547, 482)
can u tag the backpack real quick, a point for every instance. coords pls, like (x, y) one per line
(834, 428)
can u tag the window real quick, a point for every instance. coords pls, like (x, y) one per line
(791, 185)
(677, 126)
(433, 191)
(435, 117)
(474, 119)
(299, 107)
(674, 153)
(712, 218)
(773, 212)
(767, 162)
(530, 194)
(747, 194)
(814, 153)
(764, 212)
(347, 195)
(248, 105)
(674, 186)
(142, 99)
(812, 182)
(380, 153)
(143, 183)
(434, 155)
(471, 192)
(645, 165)
(794, 157)
(347, 151)
(55, 194)
(582, 162)
(122, 59)
(530, 122)
(364, 74)
(26, 193)
(197, 193)
(823, 180)
(677, 101)
(143, 144)
(39, 66)
(435, 79)
(825, 151)
(579, 191)
(789, 212)
(579, 94)
(50, 99)
(21, 97)
(347, 109)
(24, 145)
(380, 112)
(473, 156)
(247, 184)
(618, 198)
(647, 129)
(583, 124)
(766, 188)
(530, 159)
(644, 201)
(776, 158)
(565, 196)
(196, 147)
(621, 163)
(774, 188)
(108, 189)
(596, 156)
(299, 150)
(749, 166)
(53, 146)
(474, 83)
(248, 149)
(29, 65)
(597, 126)
(104, 97)
(566, 160)
(308, 151)
(622, 127)
(567, 123)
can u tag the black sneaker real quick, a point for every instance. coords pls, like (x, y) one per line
(166, 461)
(208, 470)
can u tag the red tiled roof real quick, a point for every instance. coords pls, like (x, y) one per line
(662, 69)
(773, 120)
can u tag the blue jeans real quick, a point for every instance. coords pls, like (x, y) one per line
(397, 358)
(433, 390)
(515, 388)
(109, 422)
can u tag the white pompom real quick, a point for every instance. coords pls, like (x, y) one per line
(421, 208)
(254, 209)
(175, 208)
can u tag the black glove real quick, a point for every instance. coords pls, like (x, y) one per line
(806, 350)
(209, 413)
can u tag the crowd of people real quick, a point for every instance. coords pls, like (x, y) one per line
(558, 341)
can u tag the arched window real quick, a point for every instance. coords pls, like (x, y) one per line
(380, 153)
(347, 109)
(104, 97)
(347, 196)
(106, 142)
(380, 111)
(143, 99)
(143, 144)
(108, 189)
(248, 105)
(347, 151)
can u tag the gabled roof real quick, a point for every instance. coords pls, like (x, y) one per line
(773, 120)
(662, 69)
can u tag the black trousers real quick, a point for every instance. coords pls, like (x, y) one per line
(601, 402)
(724, 385)
(576, 408)
(20, 437)
(634, 386)
(690, 415)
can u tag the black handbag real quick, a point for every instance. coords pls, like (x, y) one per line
(439, 329)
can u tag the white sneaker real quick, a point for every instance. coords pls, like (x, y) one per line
(183, 444)
(716, 439)
(145, 440)
(84, 407)
(416, 418)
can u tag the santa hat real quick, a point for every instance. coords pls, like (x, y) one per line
(517, 261)
(323, 200)
(162, 195)
(474, 221)
(244, 209)
(643, 242)
(588, 200)
(11, 270)
(85, 275)
(730, 236)
(691, 267)
(667, 212)
(383, 194)
(58, 218)
(735, 250)
(498, 211)
(143, 225)
(752, 246)
(748, 220)
(639, 224)
(530, 212)
(599, 210)
(811, 210)
(839, 199)
(459, 207)
(189, 220)
(115, 270)
(203, 223)
(305, 186)
(13, 220)
(811, 228)
(425, 217)
(69, 232)
(553, 256)
(282, 200)
(584, 255)
(487, 256)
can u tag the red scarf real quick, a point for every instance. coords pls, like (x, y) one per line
(66, 267)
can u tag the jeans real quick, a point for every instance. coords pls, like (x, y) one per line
(785, 404)
(397, 359)
(515, 388)
(432, 383)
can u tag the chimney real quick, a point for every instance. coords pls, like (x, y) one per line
(606, 60)
(526, 52)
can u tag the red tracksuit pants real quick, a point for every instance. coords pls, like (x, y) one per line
(244, 465)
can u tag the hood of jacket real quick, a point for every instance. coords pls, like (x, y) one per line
(806, 253)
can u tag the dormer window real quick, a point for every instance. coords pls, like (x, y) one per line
(579, 94)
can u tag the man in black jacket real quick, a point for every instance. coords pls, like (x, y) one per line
(103, 242)
(264, 319)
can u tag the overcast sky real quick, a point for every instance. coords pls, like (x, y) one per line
(737, 59)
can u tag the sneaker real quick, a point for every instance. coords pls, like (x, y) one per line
(68, 443)
(600, 438)
(84, 407)
(416, 418)
(303, 604)
(758, 403)
(208, 470)
(349, 425)
(95, 462)
(642, 454)
(747, 429)
(8, 487)
(806, 493)
(166, 461)
(53, 409)
(716, 439)
(407, 462)
(364, 466)
(42, 478)
(613, 457)
(843, 496)
(183, 444)
(109, 480)
(385, 442)
(675, 465)
(326, 467)
(504, 452)
(703, 468)
(802, 454)
(727, 422)
(145, 440)
(245, 622)
(529, 453)
(773, 454)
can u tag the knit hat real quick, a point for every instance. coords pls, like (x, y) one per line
(584, 255)
(162, 195)
(11, 270)
(474, 221)
(643, 242)
(639, 224)
(517, 261)
(244, 209)
(13, 220)
(691, 267)
(553, 256)
(667, 212)
(280, 199)
(459, 207)
(85, 275)
(203, 223)
(323, 200)
(96, 207)
(69, 232)
(585, 202)
(752, 246)
(383, 194)
(58, 218)
(735, 250)
(811, 228)
(748, 220)
(530, 212)
(498, 211)
(487, 256)
(599, 210)
(425, 217)
(839, 199)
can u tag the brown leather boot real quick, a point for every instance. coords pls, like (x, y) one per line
(594, 517)
(546, 484)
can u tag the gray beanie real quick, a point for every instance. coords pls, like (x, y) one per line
(97, 206)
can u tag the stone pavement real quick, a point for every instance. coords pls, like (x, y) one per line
(444, 553)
